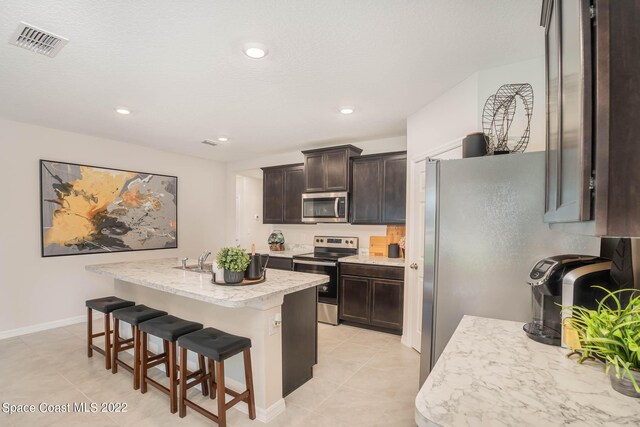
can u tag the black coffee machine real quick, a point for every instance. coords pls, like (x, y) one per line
(545, 280)
(569, 280)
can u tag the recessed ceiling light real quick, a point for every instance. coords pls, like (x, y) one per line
(223, 139)
(123, 111)
(346, 110)
(255, 50)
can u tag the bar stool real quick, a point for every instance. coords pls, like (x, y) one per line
(133, 315)
(217, 346)
(104, 305)
(169, 329)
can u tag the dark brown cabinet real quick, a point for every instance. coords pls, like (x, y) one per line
(593, 95)
(371, 296)
(328, 169)
(282, 194)
(379, 189)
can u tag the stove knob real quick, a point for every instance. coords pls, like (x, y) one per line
(321, 240)
(317, 240)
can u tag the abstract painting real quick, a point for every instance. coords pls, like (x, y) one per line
(89, 209)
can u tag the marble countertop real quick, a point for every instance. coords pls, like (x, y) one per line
(160, 274)
(376, 260)
(490, 374)
(288, 253)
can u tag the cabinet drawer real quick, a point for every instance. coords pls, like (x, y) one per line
(280, 263)
(369, 270)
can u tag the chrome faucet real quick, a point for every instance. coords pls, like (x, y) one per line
(202, 259)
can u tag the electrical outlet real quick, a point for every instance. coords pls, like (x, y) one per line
(274, 323)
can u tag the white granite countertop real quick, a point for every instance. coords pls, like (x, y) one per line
(159, 274)
(491, 374)
(287, 253)
(376, 260)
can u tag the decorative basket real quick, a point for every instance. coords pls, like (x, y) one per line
(276, 247)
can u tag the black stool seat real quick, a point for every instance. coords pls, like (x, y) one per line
(137, 314)
(108, 304)
(213, 343)
(169, 327)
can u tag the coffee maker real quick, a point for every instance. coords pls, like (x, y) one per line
(546, 281)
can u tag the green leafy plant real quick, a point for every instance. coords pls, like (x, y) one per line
(233, 259)
(611, 332)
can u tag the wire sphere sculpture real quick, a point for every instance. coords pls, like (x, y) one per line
(499, 112)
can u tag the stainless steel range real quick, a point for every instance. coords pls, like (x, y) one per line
(327, 250)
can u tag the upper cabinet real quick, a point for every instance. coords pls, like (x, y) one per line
(328, 169)
(593, 96)
(282, 194)
(379, 189)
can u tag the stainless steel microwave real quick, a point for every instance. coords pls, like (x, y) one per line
(325, 207)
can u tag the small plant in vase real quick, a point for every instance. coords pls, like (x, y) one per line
(611, 333)
(276, 241)
(234, 261)
(402, 243)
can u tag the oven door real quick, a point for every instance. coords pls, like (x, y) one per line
(325, 207)
(327, 292)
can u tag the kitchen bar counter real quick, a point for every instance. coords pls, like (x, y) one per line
(162, 275)
(490, 373)
(268, 313)
(374, 260)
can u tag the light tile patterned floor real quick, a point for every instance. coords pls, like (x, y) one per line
(363, 378)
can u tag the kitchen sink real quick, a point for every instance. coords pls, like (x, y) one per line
(196, 269)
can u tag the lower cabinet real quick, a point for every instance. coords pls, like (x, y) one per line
(279, 263)
(372, 296)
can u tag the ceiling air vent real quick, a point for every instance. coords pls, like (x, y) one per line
(39, 41)
(210, 142)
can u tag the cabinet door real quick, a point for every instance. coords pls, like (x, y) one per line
(386, 303)
(314, 172)
(336, 164)
(272, 195)
(394, 190)
(293, 189)
(569, 110)
(355, 299)
(365, 200)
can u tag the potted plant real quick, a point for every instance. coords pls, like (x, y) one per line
(276, 241)
(611, 333)
(234, 261)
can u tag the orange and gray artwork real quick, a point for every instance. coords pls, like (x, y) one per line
(87, 209)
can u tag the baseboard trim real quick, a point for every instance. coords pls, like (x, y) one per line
(262, 414)
(11, 333)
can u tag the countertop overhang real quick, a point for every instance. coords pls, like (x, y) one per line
(490, 373)
(162, 275)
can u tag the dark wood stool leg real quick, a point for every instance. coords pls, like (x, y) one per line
(107, 340)
(248, 376)
(89, 332)
(116, 345)
(136, 358)
(222, 412)
(173, 383)
(145, 356)
(183, 382)
(203, 368)
(165, 345)
(212, 380)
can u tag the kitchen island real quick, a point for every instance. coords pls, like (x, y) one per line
(490, 373)
(252, 311)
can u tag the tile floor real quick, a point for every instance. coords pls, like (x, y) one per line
(363, 378)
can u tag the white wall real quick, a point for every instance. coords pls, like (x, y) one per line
(249, 226)
(35, 290)
(299, 234)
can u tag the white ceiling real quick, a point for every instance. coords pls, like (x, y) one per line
(179, 66)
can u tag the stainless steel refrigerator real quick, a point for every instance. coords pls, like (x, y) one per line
(484, 231)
